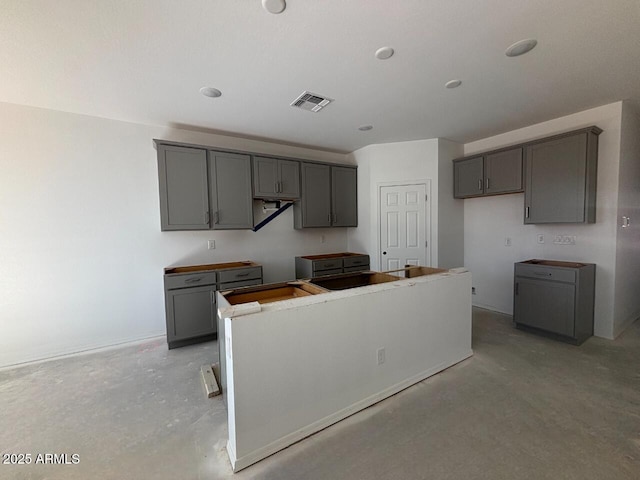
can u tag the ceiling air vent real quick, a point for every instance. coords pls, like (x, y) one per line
(311, 102)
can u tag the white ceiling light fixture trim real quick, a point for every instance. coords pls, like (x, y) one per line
(274, 6)
(365, 128)
(521, 47)
(453, 83)
(384, 53)
(312, 102)
(210, 92)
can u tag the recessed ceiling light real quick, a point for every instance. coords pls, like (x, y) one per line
(384, 53)
(521, 47)
(274, 6)
(210, 92)
(453, 83)
(365, 128)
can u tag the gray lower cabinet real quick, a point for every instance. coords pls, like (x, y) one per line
(230, 187)
(309, 266)
(561, 178)
(184, 191)
(190, 302)
(276, 178)
(328, 197)
(493, 173)
(555, 298)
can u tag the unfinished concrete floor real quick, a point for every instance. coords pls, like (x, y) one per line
(523, 407)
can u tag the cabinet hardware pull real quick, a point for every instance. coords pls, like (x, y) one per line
(275, 186)
(215, 217)
(487, 183)
(335, 218)
(527, 212)
(193, 280)
(542, 274)
(206, 217)
(479, 184)
(329, 218)
(242, 274)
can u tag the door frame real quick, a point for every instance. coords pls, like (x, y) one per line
(427, 215)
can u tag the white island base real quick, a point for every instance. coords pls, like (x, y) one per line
(300, 365)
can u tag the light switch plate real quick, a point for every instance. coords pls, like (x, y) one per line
(211, 244)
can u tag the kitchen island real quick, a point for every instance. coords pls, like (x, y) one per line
(314, 356)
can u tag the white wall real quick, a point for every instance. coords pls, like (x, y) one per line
(487, 221)
(82, 251)
(627, 278)
(392, 162)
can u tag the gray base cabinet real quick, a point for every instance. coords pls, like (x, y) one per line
(555, 298)
(310, 266)
(190, 302)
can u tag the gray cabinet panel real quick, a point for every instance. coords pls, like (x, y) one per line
(468, 177)
(289, 174)
(265, 177)
(184, 198)
(230, 184)
(556, 180)
(276, 178)
(503, 172)
(316, 195)
(190, 312)
(344, 184)
(545, 305)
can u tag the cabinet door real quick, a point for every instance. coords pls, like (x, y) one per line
(344, 197)
(230, 184)
(468, 177)
(503, 172)
(265, 176)
(556, 180)
(184, 197)
(289, 177)
(316, 195)
(546, 305)
(191, 312)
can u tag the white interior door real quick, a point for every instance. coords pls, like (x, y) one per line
(403, 229)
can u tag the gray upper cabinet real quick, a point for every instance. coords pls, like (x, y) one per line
(276, 178)
(492, 173)
(329, 197)
(230, 186)
(315, 206)
(184, 194)
(561, 178)
(503, 172)
(468, 177)
(344, 197)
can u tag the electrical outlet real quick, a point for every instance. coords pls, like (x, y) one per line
(473, 290)
(211, 244)
(381, 356)
(507, 241)
(540, 238)
(322, 239)
(564, 240)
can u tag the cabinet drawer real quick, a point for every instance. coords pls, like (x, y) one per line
(354, 261)
(189, 280)
(238, 274)
(328, 264)
(319, 273)
(546, 273)
(243, 283)
(357, 268)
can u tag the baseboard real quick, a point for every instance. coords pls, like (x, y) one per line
(83, 351)
(283, 442)
(626, 324)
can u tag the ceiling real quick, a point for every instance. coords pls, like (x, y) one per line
(145, 60)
